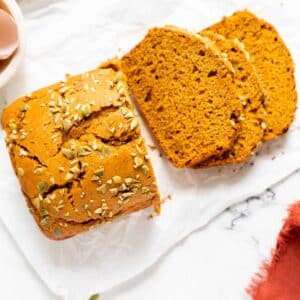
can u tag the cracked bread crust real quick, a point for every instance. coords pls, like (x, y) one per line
(77, 150)
(175, 77)
(251, 95)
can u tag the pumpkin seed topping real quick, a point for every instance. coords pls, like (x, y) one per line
(138, 162)
(64, 89)
(113, 191)
(112, 130)
(99, 172)
(127, 195)
(95, 178)
(144, 169)
(139, 150)
(98, 210)
(118, 77)
(84, 166)
(75, 169)
(133, 124)
(61, 169)
(23, 152)
(264, 125)
(64, 107)
(145, 190)
(45, 221)
(74, 162)
(69, 176)
(69, 154)
(20, 171)
(128, 180)
(67, 124)
(84, 151)
(102, 188)
(24, 107)
(105, 150)
(123, 187)
(42, 186)
(95, 146)
(57, 232)
(36, 202)
(86, 110)
(117, 179)
(127, 113)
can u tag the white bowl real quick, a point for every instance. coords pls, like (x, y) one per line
(10, 67)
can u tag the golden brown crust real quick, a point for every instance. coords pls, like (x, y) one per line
(249, 92)
(273, 63)
(78, 152)
(175, 78)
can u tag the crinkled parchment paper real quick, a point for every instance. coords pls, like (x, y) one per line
(73, 36)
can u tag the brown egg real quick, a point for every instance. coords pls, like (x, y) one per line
(9, 38)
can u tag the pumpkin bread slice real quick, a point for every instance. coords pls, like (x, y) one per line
(249, 92)
(185, 91)
(273, 63)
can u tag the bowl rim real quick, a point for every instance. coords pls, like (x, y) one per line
(16, 59)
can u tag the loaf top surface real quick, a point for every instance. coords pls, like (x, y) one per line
(176, 79)
(249, 92)
(273, 63)
(77, 150)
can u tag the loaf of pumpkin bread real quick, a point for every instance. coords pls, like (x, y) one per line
(77, 150)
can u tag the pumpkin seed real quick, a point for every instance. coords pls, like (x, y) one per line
(86, 110)
(145, 169)
(45, 221)
(138, 162)
(20, 171)
(114, 191)
(99, 172)
(117, 179)
(24, 107)
(102, 188)
(67, 124)
(69, 154)
(57, 232)
(98, 210)
(84, 151)
(42, 186)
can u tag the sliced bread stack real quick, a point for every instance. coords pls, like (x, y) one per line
(211, 98)
(184, 88)
(273, 64)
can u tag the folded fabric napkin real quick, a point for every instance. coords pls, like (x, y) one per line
(279, 278)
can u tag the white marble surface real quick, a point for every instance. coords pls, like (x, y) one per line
(215, 263)
(212, 264)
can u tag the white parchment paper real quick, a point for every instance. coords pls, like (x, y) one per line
(71, 36)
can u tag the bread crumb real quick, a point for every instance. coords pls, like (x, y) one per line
(152, 147)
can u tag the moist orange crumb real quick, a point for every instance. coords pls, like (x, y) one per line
(273, 63)
(185, 91)
(251, 96)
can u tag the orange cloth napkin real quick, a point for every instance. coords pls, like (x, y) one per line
(279, 279)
